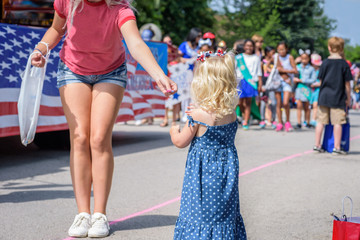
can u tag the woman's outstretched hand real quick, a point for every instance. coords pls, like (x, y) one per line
(166, 85)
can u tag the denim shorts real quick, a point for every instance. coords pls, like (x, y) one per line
(66, 76)
(284, 87)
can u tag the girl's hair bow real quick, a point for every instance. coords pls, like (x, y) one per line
(307, 51)
(202, 56)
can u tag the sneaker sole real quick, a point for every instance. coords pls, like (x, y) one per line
(97, 235)
(77, 236)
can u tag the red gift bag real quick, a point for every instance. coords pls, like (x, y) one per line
(346, 228)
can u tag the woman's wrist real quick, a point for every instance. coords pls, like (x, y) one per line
(39, 51)
(157, 76)
(42, 47)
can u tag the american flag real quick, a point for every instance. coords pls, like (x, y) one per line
(142, 98)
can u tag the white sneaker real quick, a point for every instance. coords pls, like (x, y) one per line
(80, 226)
(100, 226)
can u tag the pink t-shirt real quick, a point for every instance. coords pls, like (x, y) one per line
(94, 45)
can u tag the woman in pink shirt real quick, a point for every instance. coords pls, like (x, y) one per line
(92, 79)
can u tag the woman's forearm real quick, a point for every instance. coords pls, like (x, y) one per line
(52, 37)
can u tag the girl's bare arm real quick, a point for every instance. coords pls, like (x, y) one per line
(182, 139)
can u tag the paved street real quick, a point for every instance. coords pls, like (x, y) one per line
(286, 191)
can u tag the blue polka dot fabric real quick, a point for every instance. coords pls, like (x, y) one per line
(210, 208)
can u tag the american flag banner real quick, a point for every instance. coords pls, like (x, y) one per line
(142, 97)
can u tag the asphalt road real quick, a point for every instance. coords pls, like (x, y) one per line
(286, 191)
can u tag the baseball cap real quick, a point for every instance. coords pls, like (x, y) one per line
(208, 35)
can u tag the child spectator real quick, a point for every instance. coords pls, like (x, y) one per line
(268, 100)
(334, 96)
(316, 63)
(287, 69)
(303, 90)
(249, 73)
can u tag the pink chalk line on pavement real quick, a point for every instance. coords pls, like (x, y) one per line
(240, 175)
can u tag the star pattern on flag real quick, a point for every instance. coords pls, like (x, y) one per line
(14, 60)
(22, 55)
(25, 39)
(19, 71)
(10, 30)
(53, 74)
(16, 45)
(15, 42)
(6, 46)
(34, 35)
(12, 78)
(5, 65)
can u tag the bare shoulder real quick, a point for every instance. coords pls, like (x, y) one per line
(227, 119)
(211, 119)
(200, 115)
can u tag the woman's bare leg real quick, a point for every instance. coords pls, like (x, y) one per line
(76, 101)
(106, 99)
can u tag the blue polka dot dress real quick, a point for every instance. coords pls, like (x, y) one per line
(210, 208)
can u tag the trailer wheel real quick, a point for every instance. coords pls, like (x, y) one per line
(53, 140)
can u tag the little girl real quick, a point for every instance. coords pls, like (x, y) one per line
(268, 101)
(249, 73)
(287, 69)
(303, 90)
(210, 198)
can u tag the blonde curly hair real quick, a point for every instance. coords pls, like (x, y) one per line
(213, 88)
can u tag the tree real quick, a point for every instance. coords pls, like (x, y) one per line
(352, 53)
(301, 23)
(176, 17)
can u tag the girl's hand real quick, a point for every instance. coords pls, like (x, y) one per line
(297, 80)
(37, 60)
(166, 85)
(175, 129)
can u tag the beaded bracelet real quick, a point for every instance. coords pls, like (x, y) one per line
(36, 49)
(47, 48)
